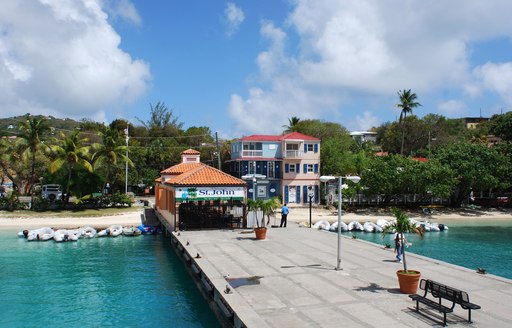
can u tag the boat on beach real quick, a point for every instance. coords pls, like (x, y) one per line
(368, 227)
(41, 234)
(63, 235)
(354, 225)
(115, 230)
(322, 225)
(88, 232)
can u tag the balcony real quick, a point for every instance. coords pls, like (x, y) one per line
(252, 153)
(293, 154)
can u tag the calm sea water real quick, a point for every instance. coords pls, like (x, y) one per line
(482, 244)
(100, 282)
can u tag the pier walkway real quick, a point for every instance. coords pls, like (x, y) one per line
(298, 286)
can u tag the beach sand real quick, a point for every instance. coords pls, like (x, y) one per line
(98, 222)
(298, 216)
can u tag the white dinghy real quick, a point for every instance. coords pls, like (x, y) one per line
(322, 225)
(40, 234)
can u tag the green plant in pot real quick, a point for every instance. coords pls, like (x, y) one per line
(407, 279)
(268, 208)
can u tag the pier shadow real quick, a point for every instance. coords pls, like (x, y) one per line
(392, 261)
(372, 287)
(311, 266)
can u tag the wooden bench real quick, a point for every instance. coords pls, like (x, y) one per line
(441, 292)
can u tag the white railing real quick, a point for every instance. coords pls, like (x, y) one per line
(252, 153)
(293, 154)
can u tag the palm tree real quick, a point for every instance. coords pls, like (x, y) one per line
(30, 142)
(407, 104)
(107, 154)
(292, 124)
(70, 154)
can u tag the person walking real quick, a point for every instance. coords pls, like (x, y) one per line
(400, 242)
(398, 247)
(284, 215)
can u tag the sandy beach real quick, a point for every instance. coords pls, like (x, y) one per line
(299, 216)
(131, 218)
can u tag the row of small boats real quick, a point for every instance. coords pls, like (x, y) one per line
(62, 235)
(377, 226)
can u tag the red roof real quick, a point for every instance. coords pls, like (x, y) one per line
(191, 152)
(289, 136)
(298, 136)
(261, 137)
(199, 174)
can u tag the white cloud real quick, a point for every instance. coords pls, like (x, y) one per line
(452, 108)
(62, 58)
(234, 16)
(497, 78)
(358, 50)
(123, 9)
(366, 121)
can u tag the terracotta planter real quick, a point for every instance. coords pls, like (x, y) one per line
(261, 233)
(408, 281)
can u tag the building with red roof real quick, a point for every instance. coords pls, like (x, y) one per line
(285, 165)
(194, 183)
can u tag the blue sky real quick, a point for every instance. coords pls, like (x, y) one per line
(245, 67)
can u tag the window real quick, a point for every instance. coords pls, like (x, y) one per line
(310, 147)
(270, 169)
(310, 168)
(252, 167)
(292, 147)
(292, 168)
(253, 146)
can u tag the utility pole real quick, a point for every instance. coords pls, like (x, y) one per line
(126, 167)
(218, 150)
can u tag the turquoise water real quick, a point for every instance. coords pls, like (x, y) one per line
(107, 282)
(471, 245)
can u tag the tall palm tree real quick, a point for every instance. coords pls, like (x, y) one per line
(69, 154)
(292, 124)
(31, 136)
(108, 154)
(407, 104)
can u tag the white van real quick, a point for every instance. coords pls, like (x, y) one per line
(52, 191)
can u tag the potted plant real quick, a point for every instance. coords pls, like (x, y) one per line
(267, 208)
(407, 279)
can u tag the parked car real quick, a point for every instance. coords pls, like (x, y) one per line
(52, 192)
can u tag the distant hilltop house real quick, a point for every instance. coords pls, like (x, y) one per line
(472, 122)
(278, 165)
(364, 136)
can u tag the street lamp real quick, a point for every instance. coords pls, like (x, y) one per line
(311, 194)
(254, 177)
(354, 179)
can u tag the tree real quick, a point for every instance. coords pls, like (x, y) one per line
(162, 121)
(501, 126)
(474, 165)
(292, 124)
(31, 134)
(407, 104)
(70, 154)
(109, 153)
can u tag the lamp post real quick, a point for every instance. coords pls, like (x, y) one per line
(254, 177)
(310, 195)
(326, 178)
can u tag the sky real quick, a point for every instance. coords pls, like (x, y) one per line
(246, 67)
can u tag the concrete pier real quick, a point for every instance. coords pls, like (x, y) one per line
(288, 280)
